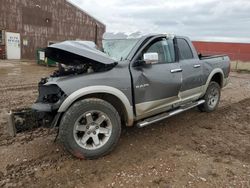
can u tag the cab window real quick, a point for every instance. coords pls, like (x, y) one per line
(185, 51)
(164, 48)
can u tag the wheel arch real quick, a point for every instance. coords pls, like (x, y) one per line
(218, 78)
(110, 94)
(216, 75)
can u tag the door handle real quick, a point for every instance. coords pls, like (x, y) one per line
(175, 70)
(197, 66)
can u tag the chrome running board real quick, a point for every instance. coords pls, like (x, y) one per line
(165, 115)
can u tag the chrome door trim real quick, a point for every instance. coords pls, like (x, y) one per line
(175, 70)
(197, 66)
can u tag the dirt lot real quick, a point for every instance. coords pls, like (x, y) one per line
(189, 150)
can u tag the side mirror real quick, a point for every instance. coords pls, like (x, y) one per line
(151, 58)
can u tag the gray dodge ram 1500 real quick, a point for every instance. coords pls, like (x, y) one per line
(133, 81)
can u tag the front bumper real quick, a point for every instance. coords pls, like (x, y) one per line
(11, 128)
(23, 120)
(20, 120)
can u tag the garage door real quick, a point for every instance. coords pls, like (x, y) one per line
(13, 49)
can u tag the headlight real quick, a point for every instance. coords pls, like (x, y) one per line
(49, 93)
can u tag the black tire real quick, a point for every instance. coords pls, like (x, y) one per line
(71, 116)
(206, 107)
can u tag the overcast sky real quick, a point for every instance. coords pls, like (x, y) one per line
(225, 20)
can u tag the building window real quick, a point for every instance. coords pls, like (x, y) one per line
(1, 37)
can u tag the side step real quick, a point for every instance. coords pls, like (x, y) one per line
(165, 115)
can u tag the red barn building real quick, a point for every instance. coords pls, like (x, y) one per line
(236, 51)
(26, 25)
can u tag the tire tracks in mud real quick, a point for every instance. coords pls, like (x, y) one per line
(19, 87)
(228, 130)
(25, 171)
(17, 95)
(26, 137)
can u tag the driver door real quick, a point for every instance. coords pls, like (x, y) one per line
(156, 86)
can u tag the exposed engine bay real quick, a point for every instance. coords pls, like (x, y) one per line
(65, 70)
(78, 57)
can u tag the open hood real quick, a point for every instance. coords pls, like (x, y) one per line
(77, 53)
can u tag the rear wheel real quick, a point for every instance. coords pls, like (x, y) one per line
(212, 97)
(90, 128)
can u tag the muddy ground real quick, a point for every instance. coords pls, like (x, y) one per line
(189, 150)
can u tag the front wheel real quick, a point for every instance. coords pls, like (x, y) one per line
(90, 128)
(212, 97)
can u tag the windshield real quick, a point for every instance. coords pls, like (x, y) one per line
(118, 49)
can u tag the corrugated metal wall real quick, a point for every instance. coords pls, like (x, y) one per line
(42, 21)
(236, 51)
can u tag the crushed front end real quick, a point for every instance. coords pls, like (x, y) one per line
(74, 58)
(43, 112)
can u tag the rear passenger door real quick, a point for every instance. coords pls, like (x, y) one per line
(191, 70)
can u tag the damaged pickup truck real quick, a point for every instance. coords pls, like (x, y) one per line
(132, 82)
